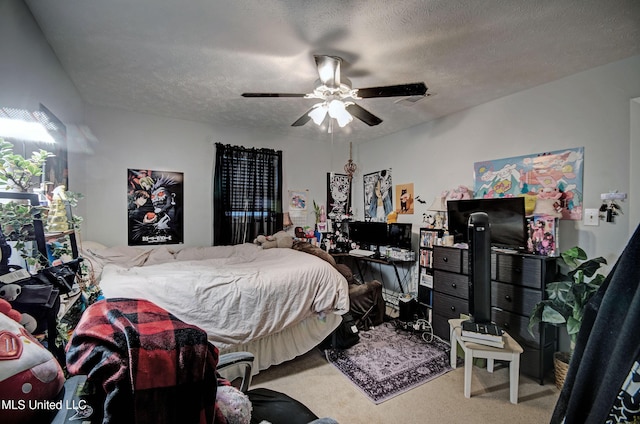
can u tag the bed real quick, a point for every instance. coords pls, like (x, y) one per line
(276, 303)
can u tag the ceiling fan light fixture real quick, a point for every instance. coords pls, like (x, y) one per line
(318, 113)
(338, 111)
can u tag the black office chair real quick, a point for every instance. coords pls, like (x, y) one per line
(268, 405)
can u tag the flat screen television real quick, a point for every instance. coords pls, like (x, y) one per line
(368, 234)
(507, 219)
(399, 235)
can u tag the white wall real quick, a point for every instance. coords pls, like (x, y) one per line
(589, 109)
(134, 140)
(30, 73)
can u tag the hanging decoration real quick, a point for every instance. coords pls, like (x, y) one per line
(350, 167)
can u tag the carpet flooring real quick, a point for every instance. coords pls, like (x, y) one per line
(388, 362)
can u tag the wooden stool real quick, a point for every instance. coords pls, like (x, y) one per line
(511, 353)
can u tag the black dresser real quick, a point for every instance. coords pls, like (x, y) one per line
(518, 282)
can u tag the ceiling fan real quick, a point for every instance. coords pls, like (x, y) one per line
(336, 96)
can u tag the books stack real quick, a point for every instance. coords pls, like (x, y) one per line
(486, 334)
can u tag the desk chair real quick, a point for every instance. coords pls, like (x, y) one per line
(268, 405)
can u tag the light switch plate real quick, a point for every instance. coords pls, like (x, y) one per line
(591, 217)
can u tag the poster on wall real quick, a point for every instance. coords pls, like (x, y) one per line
(298, 200)
(298, 205)
(155, 206)
(378, 202)
(553, 178)
(338, 196)
(404, 198)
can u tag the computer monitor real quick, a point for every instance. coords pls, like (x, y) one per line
(399, 235)
(368, 234)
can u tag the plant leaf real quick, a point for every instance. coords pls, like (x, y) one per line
(552, 316)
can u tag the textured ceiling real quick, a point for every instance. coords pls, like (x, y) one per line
(192, 59)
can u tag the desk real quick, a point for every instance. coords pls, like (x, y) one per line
(377, 260)
(511, 353)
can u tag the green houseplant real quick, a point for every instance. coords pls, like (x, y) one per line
(17, 172)
(21, 174)
(567, 297)
(17, 224)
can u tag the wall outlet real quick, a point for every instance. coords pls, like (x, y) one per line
(592, 217)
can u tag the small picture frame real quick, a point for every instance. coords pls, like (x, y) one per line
(322, 227)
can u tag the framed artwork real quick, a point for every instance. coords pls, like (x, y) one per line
(378, 202)
(298, 200)
(553, 178)
(404, 198)
(155, 207)
(338, 196)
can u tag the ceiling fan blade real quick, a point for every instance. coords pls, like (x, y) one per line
(363, 115)
(329, 70)
(272, 95)
(413, 89)
(303, 119)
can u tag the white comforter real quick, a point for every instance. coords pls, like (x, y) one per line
(235, 293)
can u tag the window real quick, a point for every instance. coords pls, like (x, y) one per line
(247, 198)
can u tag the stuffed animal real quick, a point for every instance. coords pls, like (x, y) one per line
(279, 239)
(5, 308)
(9, 293)
(234, 405)
(28, 372)
(458, 193)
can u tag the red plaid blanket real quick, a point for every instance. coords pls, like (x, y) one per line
(153, 367)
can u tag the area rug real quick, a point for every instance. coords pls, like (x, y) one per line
(388, 362)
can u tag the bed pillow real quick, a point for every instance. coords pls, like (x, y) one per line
(97, 257)
(161, 255)
(306, 247)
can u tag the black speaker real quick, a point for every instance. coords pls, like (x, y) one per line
(479, 267)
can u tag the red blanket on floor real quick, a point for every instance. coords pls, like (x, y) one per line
(153, 367)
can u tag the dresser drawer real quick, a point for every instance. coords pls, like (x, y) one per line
(451, 284)
(450, 306)
(447, 259)
(440, 326)
(523, 270)
(512, 298)
(516, 326)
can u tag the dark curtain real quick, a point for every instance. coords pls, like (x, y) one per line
(247, 197)
(602, 382)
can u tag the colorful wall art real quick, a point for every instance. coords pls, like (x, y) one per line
(553, 178)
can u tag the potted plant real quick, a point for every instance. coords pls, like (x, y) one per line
(17, 225)
(18, 173)
(566, 300)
